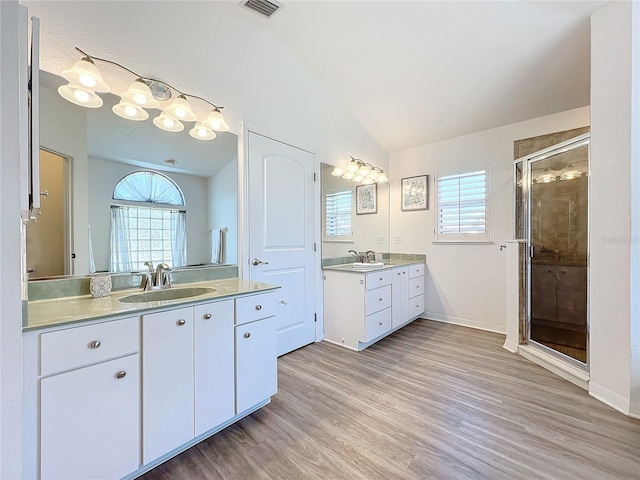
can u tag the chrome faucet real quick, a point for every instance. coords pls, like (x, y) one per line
(353, 251)
(367, 258)
(162, 275)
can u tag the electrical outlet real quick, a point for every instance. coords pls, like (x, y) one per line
(381, 240)
(397, 239)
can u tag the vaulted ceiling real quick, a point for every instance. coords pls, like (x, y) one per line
(410, 72)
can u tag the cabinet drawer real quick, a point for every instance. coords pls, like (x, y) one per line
(255, 307)
(416, 287)
(76, 347)
(377, 324)
(416, 306)
(416, 270)
(376, 300)
(378, 279)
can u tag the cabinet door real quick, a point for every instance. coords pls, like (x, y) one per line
(90, 421)
(256, 363)
(214, 375)
(400, 296)
(167, 383)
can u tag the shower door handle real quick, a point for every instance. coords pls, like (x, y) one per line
(531, 251)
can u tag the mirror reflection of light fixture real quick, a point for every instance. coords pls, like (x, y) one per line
(547, 176)
(202, 132)
(85, 97)
(359, 171)
(168, 123)
(129, 111)
(570, 172)
(85, 80)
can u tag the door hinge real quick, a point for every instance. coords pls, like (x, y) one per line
(315, 317)
(314, 247)
(314, 176)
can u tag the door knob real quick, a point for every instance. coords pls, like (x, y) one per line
(255, 262)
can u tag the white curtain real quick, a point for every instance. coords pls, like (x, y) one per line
(119, 258)
(179, 238)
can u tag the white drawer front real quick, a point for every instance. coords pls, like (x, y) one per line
(416, 270)
(416, 306)
(378, 279)
(376, 300)
(75, 347)
(416, 287)
(255, 307)
(377, 324)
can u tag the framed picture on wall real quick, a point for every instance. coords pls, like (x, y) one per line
(367, 199)
(415, 193)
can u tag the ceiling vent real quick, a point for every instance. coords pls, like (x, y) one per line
(266, 8)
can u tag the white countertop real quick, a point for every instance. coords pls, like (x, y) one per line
(348, 267)
(47, 313)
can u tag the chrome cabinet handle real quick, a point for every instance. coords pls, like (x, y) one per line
(95, 344)
(258, 307)
(120, 375)
(255, 262)
(207, 316)
(181, 322)
(247, 335)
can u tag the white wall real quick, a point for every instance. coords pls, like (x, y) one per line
(466, 283)
(223, 212)
(10, 247)
(103, 176)
(610, 240)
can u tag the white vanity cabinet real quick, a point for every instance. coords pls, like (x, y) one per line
(90, 401)
(360, 308)
(188, 381)
(256, 350)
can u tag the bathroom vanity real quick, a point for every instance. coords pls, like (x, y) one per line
(363, 306)
(113, 389)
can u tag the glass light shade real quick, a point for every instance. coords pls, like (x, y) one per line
(367, 181)
(357, 178)
(337, 171)
(168, 123)
(364, 170)
(201, 132)
(181, 110)
(382, 178)
(129, 111)
(215, 121)
(353, 166)
(84, 73)
(140, 94)
(84, 97)
(348, 175)
(547, 176)
(570, 172)
(373, 173)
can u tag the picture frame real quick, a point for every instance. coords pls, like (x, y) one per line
(415, 193)
(367, 199)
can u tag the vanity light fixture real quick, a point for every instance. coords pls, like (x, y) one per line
(547, 176)
(570, 172)
(362, 172)
(85, 81)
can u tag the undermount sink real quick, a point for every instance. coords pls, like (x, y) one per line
(168, 294)
(389, 264)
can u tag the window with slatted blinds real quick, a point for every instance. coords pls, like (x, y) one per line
(463, 205)
(338, 213)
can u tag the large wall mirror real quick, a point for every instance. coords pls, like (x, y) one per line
(347, 225)
(86, 151)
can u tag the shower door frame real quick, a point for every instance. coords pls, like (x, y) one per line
(527, 163)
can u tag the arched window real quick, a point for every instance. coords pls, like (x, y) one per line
(149, 227)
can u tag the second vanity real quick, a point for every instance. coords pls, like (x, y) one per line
(363, 306)
(113, 389)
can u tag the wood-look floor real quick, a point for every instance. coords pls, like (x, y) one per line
(430, 401)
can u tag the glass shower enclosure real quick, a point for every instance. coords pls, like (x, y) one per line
(551, 205)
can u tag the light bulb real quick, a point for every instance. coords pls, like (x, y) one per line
(87, 80)
(352, 167)
(337, 172)
(139, 99)
(81, 96)
(202, 132)
(180, 112)
(348, 175)
(130, 110)
(140, 94)
(168, 122)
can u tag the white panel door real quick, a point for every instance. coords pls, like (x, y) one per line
(281, 234)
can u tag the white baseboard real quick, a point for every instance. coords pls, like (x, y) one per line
(550, 362)
(511, 346)
(610, 398)
(465, 322)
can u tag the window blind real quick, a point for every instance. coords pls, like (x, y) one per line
(338, 213)
(462, 203)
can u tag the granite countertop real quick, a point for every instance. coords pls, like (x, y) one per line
(60, 311)
(348, 267)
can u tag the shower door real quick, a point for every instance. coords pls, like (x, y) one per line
(556, 223)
